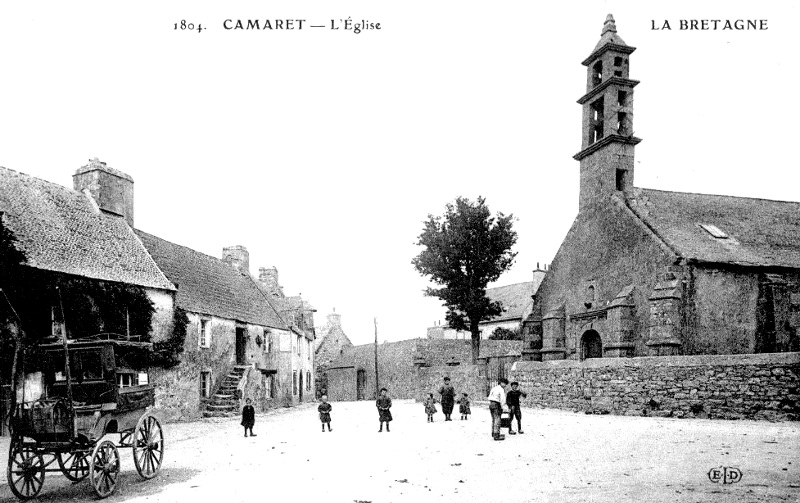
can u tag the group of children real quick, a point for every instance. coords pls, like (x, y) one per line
(463, 407)
(384, 405)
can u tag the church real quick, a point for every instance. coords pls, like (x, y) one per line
(645, 272)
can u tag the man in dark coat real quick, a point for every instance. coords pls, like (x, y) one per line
(448, 398)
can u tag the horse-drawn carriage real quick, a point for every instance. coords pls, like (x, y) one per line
(86, 399)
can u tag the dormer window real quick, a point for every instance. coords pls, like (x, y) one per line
(714, 231)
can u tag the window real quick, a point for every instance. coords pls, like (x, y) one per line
(55, 325)
(596, 121)
(621, 179)
(205, 384)
(714, 231)
(204, 336)
(294, 382)
(597, 73)
(268, 340)
(298, 345)
(622, 119)
(308, 381)
(308, 347)
(622, 98)
(126, 380)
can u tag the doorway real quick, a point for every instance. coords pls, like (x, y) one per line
(591, 345)
(241, 345)
(361, 384)
(300, 393)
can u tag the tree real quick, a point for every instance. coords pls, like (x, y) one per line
(464, 250)
(505, 334)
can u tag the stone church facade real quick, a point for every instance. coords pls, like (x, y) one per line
(644, 272)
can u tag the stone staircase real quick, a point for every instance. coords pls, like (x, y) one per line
(225, 403)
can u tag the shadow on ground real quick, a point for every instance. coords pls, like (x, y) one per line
(130, 485)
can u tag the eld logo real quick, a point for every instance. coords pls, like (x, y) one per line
(725, 475)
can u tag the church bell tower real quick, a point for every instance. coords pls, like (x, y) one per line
(607, 143)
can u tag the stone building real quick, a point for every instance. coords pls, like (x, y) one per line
(238, 340)
(299, 316)
(517, 302)
(331, 342)
(650, 272)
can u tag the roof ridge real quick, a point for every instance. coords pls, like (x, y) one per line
(718, 195)
(137, 230)
(512, 284)
(62, 187)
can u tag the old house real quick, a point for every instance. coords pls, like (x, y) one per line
(650, 272)
(81, 253)
(238, 343)
(517, 302)
(331, 342)
(299, 316)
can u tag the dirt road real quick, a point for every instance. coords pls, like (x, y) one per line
(563, 456)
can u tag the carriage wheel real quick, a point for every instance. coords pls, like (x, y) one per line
(104, 468)
(25, 471)
(74, 465)
(148, 446)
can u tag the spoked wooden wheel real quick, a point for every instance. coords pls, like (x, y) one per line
(25, 471)
(148, 446)
(104, 468)
(74, 465)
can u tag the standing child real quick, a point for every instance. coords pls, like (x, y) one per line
(248, 417)
(430, 406)
(325, 413)
(463, 406)
(512, 400)
(384, 403)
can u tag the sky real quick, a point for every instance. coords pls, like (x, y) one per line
(323, 151)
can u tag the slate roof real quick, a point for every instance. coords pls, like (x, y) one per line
(207, 285)
(60, 229)
(515, 298)
(760, 232)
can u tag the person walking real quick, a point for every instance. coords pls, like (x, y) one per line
(448, 400)
(497, 400)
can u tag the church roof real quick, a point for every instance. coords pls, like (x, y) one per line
(62, 230)
(515, 298)
(723, 229)
(207, 285)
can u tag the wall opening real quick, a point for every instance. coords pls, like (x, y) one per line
(622, 98)
(621, 178)
(591, 345)
(241, 344)
(361, 384)
(596, 122)
(597, 73)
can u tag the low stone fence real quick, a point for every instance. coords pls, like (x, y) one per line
(755, 386)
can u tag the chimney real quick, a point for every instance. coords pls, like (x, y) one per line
(268, 277)
(335, 320)
(238, 257)
(111, 189)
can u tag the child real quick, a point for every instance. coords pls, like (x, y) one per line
(463, 406)
(384, 403)
(248, 417)
(430, 407)
(512, 400)
(325, 413)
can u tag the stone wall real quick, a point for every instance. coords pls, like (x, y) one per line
(755, 386)
(469, 379)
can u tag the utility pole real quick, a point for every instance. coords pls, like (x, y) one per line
(377, 386)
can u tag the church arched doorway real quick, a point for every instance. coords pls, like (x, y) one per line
(591, 345)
